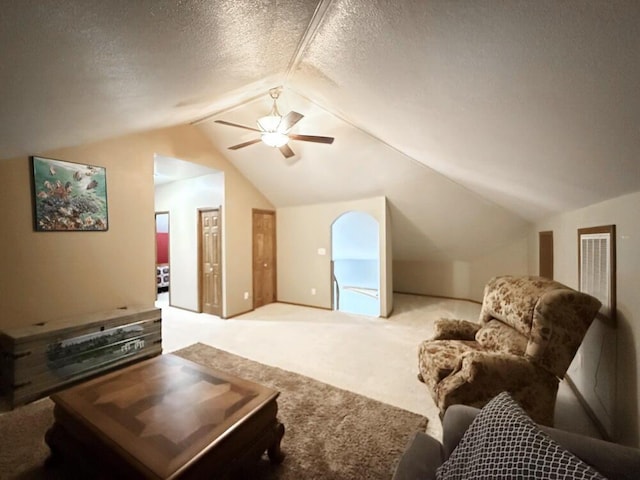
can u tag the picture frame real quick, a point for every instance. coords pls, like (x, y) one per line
(68, 196)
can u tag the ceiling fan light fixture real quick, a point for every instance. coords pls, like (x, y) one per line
(275, 139)
(275, 128)
(270, 122)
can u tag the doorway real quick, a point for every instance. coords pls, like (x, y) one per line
(545, 268)
(210, 261)
(264, 257)
(162, 254)
(182, 188)
(355, 264)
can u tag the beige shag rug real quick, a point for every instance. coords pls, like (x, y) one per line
(330, 433)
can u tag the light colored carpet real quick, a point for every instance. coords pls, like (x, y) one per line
(374, 357)
(330, 433)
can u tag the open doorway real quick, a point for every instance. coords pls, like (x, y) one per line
(162, 257)
(545, 258)
(355, 250)
(184, 189)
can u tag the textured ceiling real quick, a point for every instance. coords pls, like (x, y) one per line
(499, 112)
(74, 71)
(533, 104)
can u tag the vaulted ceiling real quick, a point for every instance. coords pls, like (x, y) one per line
(470, 116)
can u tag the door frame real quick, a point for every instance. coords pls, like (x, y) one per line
(275, 254)
(199, 260)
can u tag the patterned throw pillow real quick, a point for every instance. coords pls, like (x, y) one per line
(502, 442)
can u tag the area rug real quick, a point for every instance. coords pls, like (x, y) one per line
(330, 433)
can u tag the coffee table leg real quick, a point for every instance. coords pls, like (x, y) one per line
(54, 455)
(276, 455)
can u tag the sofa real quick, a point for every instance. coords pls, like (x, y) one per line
(500, 441)
(528, 332)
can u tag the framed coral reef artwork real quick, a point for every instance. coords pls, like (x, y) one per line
(68, 196)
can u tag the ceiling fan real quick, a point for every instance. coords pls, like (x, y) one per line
(274, 129)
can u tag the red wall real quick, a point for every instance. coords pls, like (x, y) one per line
(162, 247)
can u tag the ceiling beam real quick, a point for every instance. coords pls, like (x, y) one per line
(318, 16)
(316, 19)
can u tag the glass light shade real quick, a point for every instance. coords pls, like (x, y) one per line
(275, 139)
(269, 123)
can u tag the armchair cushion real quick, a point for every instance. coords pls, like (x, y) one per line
(513, 299)
(504, 443)
(448, 329)
(562, 318)
(498, 337)
(480, 376)
(444, 356)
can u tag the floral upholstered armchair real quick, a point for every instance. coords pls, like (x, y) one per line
(529, 331)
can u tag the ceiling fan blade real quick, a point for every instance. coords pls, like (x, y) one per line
(311, 138)
(286, 151)
(245, 144)
(289, 120)
(223, 122)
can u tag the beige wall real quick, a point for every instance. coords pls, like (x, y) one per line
(301, 231)
(52, 275)
(446, 279)
(507, 260)
(459, 278)
(606, 367)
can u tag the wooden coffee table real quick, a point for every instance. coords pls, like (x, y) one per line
(167, 418)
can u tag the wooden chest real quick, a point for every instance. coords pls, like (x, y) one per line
(38, 359)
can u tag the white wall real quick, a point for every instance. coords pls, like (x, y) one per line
(302, 230)
(182, 200)
(606, 368)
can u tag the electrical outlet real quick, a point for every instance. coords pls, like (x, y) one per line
(246, 295)
(313, 291)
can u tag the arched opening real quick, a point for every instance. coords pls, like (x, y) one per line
(355, 250)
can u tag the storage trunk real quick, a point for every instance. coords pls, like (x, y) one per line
(39, 359)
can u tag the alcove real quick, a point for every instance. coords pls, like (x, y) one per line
(355, 247)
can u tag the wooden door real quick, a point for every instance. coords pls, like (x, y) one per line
(264, 257)
(545, 268)
(210, 262)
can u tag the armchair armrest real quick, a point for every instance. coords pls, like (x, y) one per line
(453, 329)
(421, 459)
(480, 376)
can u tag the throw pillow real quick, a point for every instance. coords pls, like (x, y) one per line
(503, 442)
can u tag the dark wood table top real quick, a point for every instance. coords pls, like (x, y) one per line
(164, 412)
